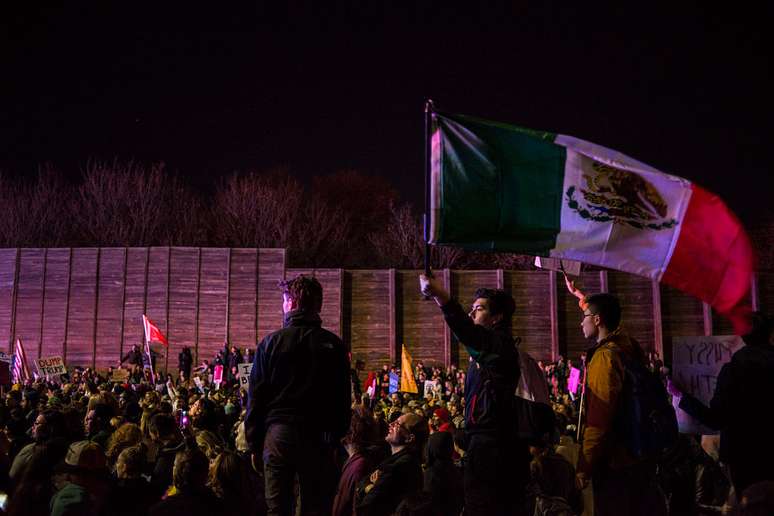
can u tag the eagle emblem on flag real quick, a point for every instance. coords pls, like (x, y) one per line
(617, 195)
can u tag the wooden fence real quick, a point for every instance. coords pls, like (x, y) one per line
(86, 304)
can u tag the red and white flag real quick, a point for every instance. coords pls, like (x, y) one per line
(21, 372)
(152, 332)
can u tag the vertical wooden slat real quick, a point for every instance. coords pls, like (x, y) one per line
(228, 298)
(500, 279)
(96, 312)
(754, 299)
(67, 306)
(135, 297)
(8, 258)
(603, 282)
(183, 272)
(392, 341)
(658, 339)
(14, 297)
(166, 325)
(198, 306)
(341, 305)
(447, 342)
(553, 306)
(707, 316)
(55, 309)
(83, 307)
(110, 306)
(29, 295)
(241, 298)
(123, 305)
(43, 302)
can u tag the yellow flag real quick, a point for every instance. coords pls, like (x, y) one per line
(407, 382)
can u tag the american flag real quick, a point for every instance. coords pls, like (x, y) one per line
(20, 372)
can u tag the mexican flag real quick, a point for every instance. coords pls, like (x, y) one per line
(498, 187)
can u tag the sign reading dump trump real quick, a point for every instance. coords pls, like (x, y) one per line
(51, 366)
(696, 363)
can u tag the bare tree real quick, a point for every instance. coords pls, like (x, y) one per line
(37, 214)
(125, 204)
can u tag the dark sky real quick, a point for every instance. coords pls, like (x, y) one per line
(209, 90)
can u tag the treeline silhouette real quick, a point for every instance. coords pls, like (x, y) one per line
(345, 219)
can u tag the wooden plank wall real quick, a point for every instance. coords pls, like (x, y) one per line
(55, 305)
(271, 271)
(366, 316)
(8, 262)
(532, 319)
(419, 321)
(183, 302)
(109, 307)
(87, 304)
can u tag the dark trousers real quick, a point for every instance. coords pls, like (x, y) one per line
(495, 473)
(290, 452)
(631, 491)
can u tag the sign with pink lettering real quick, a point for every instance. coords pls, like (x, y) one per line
(696, 363)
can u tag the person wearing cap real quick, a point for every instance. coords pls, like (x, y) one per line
(86, 484)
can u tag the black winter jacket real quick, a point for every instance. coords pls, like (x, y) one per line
(300, 376)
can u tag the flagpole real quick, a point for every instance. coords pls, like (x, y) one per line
(426, 219)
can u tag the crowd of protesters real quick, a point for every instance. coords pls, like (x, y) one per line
(89, 443)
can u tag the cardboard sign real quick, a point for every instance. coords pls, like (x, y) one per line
(51, 366)
(696, 363)
(429, 386)
(573, 380)
(119, 376)
(244, 374)
(571, 267)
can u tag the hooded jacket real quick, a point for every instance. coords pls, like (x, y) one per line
(604, 384)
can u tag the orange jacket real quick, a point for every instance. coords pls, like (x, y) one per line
(604, 383)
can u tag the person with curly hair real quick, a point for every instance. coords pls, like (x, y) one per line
(125, 436)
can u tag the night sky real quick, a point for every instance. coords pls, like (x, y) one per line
(210, 90)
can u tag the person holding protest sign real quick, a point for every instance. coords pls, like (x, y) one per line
(285, 421)
(743, 386)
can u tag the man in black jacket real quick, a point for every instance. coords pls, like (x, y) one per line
(496, 463)
(285, 419)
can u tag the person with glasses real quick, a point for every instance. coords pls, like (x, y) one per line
(621, 484)
(400, 475)
(496, 463)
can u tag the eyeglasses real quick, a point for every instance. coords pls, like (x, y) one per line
(587, 315)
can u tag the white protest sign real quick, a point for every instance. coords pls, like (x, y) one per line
(696, 363)
(429, 386)
(244, 374)
(199, 384)
(51, 366)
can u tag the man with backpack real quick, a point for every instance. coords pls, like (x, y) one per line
(618, 451)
